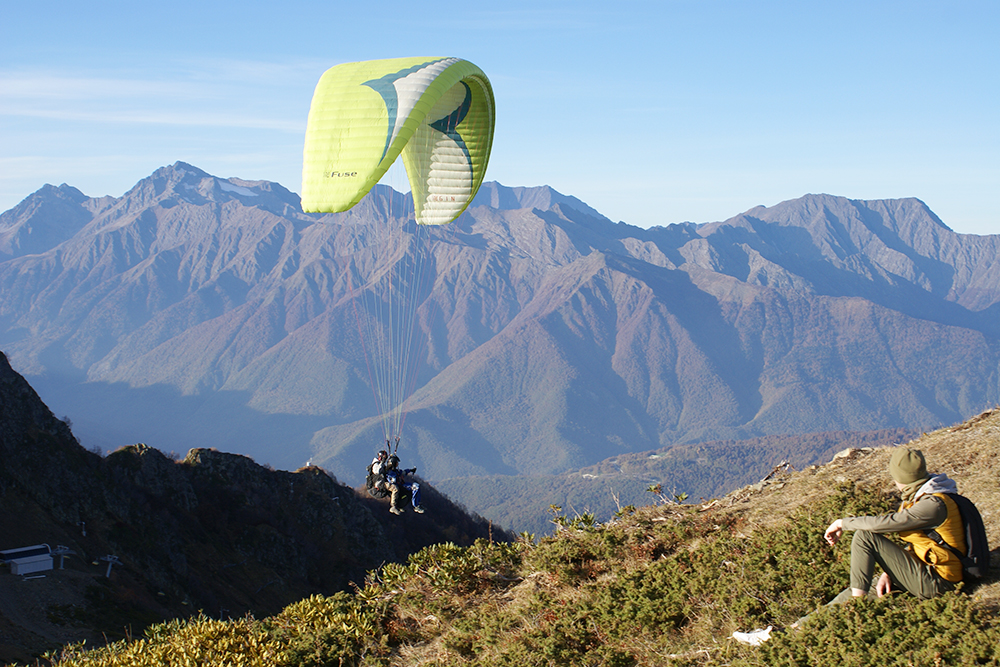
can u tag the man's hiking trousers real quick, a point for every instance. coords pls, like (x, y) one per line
(906, 572)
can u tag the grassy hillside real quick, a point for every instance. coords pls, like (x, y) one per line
(658, 585)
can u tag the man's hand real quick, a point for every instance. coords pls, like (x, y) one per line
(884, 585)
(834, 532)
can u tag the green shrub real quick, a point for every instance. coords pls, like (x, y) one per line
(648, 588)
(894, 631)
(335, 630)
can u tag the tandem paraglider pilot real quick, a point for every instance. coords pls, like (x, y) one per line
(946, 541)
(386, 479)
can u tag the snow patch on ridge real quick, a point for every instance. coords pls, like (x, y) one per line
(238, 189)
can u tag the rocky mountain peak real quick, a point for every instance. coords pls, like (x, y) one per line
(502, 198)
(182, 184)
(42, 221)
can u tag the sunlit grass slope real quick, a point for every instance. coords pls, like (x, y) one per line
(658, 585)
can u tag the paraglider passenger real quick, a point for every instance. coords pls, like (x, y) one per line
(396, 481)
(385, 478)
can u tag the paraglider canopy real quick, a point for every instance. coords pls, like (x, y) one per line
(438, 113)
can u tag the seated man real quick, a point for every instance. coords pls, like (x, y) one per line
(925, 568)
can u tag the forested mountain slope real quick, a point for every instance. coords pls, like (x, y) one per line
(208, 312)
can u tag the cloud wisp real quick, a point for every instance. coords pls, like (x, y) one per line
(223, 93)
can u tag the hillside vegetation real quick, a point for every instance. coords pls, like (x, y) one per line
(658, 585)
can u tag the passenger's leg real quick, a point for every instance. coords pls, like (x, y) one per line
(394, 499)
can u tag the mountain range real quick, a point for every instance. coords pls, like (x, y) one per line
(196, 311)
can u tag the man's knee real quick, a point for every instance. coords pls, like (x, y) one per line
(863, 537)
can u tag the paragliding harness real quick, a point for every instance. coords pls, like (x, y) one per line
(374, 481)
(372, 484)
(976, 559)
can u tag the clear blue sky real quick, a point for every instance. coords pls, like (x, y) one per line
(652, 112)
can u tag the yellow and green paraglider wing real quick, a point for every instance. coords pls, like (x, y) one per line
(437, 112)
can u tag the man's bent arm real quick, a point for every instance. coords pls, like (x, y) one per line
(928, 512)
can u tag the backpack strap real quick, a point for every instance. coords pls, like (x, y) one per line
(934, 535)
